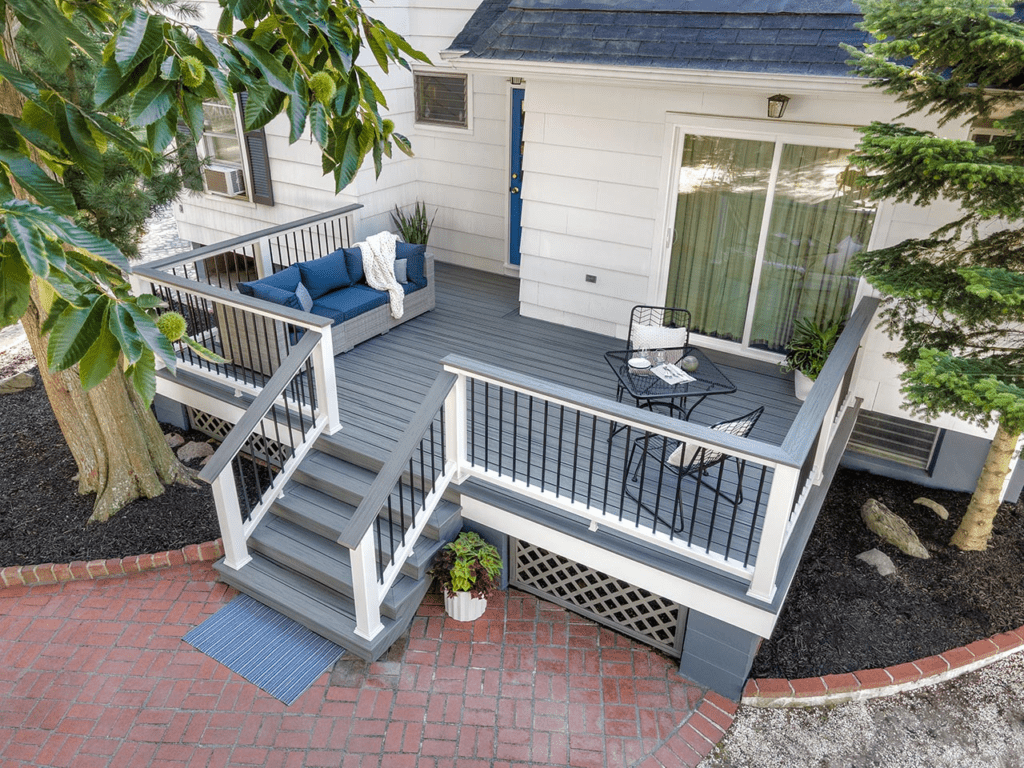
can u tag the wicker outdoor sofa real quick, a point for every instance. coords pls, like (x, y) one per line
(359, 312)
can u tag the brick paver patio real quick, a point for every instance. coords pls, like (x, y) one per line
(95, 673)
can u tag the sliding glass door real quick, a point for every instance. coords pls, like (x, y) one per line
(763, 235)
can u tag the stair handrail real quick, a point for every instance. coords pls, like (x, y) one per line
(218, 471)
(370, 576)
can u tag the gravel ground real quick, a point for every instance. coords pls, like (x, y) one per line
(973, 721)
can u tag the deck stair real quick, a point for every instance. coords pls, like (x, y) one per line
(300, 570)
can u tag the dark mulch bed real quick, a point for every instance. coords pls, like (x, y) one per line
(840, 615)
(42, 517)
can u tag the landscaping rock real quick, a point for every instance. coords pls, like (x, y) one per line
(17, 383)
(934, 506)
(881, 561)
(191, 451)
(892, 528)
(174, 440)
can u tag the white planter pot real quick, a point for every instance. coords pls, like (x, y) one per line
(803, 385)
(465, 607)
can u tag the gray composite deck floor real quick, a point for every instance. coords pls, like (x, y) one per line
(382, 382)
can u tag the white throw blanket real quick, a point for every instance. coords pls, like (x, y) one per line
(379, 265)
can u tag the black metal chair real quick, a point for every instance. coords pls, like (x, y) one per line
(658, 328)
(675, 459)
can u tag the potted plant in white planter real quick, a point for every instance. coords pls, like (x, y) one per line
(467, 570)
(807, 352)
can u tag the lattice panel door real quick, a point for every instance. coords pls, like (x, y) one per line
(218, 429)
(607, 600)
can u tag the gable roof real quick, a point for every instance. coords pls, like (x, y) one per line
(799, 37)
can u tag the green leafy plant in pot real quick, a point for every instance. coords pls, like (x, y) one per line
(808, 350)
(467, 570)
(414, 227)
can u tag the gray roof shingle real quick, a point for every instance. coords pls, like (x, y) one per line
(798, 37)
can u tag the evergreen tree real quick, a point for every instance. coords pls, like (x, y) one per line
(955, 298)
(96, 343)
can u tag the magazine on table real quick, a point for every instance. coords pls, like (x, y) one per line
(672, 374)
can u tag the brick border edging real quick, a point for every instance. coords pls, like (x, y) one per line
(871, 683)
(79, 570)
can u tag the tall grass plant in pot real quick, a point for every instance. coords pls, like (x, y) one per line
(414, 227)
(467, 571)
(807, 352)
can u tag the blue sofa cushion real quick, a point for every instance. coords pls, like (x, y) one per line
(287, 280)
(322, 276)
(277, 295)
(416, 257)
(352, 302)
(354, 262)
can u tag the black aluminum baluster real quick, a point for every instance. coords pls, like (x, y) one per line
(561, 450)
(590, 466)
(501, 426)
(753, 520)
(544, 449)
(575, 456)
(487, 425)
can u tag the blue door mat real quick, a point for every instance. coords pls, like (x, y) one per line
(269, 650)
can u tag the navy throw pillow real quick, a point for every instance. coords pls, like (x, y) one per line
(354, 262)
(322, 276)
(276, 295)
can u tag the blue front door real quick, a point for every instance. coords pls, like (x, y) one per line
(515, 185)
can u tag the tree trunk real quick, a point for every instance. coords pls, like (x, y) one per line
(976, 527)
(115, 439)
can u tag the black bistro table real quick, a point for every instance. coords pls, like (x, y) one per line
(650, 391)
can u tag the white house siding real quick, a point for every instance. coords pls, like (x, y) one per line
(463, 176)
(300, 188)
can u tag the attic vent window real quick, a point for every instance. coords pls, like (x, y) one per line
(441, 100)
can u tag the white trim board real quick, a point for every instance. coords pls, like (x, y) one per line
(682, 591)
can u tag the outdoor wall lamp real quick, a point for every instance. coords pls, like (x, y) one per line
(777, 105)
(516, 80)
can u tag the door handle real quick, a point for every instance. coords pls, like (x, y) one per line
(514, 190)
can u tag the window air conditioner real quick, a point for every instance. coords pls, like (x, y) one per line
(224, 180)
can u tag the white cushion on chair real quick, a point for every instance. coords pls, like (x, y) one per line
(657, 337)
(683, 455)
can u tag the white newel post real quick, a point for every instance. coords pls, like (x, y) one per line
(264, 266)
(455, 427)
(825, 439)
(364, 587)
(326, 380)
(229, 515)
(773, 535)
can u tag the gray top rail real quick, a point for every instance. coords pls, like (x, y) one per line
(225, 245)
(730, 443)
(800, 437)
(269, 308)
(246, 425)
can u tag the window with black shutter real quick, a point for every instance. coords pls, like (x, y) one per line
(441, 100)
(227, 156)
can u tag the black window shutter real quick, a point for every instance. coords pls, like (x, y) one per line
(259, 162)
(188, 159)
